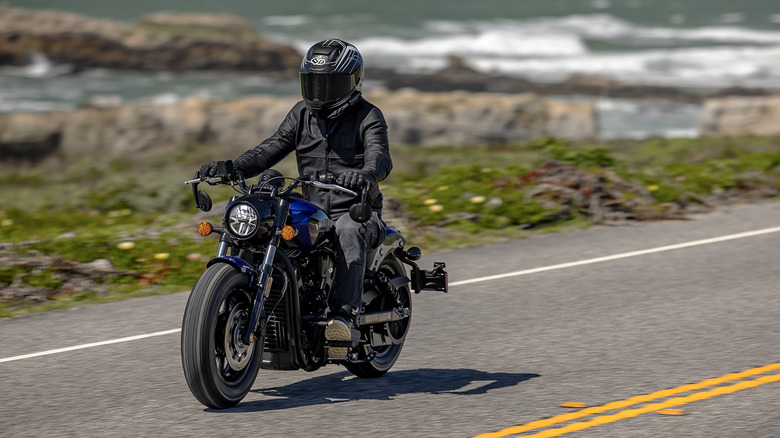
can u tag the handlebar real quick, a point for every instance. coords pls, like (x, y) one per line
(212, 180)
(290, 188)
(359, 212)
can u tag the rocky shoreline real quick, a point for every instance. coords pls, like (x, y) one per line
(188, 41)
(158, 42)
(458, 76)
(57, 139)
(455, 106)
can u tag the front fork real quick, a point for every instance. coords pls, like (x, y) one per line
(265, 280)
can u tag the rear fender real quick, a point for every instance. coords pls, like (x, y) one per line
(393, 239)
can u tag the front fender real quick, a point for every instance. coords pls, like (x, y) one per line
(240, 265)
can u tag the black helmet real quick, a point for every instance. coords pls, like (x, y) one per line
(331, 77)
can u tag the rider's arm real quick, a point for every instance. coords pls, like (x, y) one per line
(376, 162)
(273, 149)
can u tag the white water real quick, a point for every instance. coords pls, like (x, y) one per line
(725, 52)
(555, 48)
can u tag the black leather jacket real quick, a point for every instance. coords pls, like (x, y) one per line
(356, 140)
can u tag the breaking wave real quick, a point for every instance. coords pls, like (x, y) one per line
(554, 48)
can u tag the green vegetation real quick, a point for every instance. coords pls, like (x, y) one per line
(137, 219)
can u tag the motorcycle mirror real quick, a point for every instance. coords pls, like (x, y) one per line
(360, 212)
(204, 201)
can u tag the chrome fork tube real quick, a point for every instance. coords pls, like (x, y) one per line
(264, 277)
(222, 249)
(264, 287)
(224, 245)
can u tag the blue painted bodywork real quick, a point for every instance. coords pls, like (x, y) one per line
(310, 223)
(241, 265)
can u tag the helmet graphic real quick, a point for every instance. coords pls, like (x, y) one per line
(331, 77)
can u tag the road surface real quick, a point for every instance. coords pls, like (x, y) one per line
(635, 323)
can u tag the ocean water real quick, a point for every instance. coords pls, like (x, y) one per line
(690, 43)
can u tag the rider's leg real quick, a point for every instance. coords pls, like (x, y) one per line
(353, 240)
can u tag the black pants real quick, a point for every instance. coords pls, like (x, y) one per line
(353, 241)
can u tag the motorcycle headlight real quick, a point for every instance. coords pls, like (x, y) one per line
(242, 220)
(249, 218)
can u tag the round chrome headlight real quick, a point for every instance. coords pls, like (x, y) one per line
(242, 220)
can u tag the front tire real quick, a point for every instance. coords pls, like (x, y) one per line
(386, 355)
(219, 368)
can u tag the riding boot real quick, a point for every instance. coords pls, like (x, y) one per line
(341, 329)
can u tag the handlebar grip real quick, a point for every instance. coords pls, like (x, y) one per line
(212, 180)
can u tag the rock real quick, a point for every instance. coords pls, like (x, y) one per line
(457, 75)
(30, 137)
(103, 101)
(600, 196)
(740, 116)
(426, 119)
(76, 278)
(460, 118)
(171, 42)
(222, 25)
(99, 265)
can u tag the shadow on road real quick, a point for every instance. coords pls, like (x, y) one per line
(343, 387)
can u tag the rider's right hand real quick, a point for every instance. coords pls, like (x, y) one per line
(208, 170)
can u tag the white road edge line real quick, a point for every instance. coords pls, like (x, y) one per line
(621, 256)
(457, 283)
(94, 344)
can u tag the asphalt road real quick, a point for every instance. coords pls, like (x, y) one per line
(571, 324)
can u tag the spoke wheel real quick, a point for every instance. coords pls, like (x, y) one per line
(219, 367)
(385, 356)
(231, 354)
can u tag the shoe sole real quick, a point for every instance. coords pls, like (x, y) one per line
(337, 331)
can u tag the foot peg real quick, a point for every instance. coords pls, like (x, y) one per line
(340, 337)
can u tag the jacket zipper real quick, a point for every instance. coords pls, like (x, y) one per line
(326, 134)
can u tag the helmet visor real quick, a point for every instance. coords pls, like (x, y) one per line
(326, 87)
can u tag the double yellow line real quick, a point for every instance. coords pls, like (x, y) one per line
(622, 404)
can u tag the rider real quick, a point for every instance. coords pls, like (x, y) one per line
(337, 136)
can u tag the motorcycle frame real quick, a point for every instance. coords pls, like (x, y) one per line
(259, 280)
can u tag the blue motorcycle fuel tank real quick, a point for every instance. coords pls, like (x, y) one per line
(310, 223)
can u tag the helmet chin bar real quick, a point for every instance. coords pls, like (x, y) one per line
(321, 110)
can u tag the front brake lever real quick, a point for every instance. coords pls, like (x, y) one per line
(336, 187)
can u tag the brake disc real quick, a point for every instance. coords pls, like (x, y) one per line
(237, 352)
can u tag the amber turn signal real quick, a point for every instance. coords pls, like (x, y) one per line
(205, 228)
(288, 232)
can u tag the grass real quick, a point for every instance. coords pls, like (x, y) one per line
(141, 218)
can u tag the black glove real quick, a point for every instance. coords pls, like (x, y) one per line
(353, 180)
(208, 170)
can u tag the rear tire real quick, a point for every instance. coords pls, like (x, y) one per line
(386, 355)
(219, 368)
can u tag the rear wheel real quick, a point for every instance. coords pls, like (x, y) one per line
(386, 355)
(219, 367)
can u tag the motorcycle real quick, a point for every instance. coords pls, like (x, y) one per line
(262, 302)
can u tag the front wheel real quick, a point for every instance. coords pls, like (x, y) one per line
(386, 355)
(220, 369)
